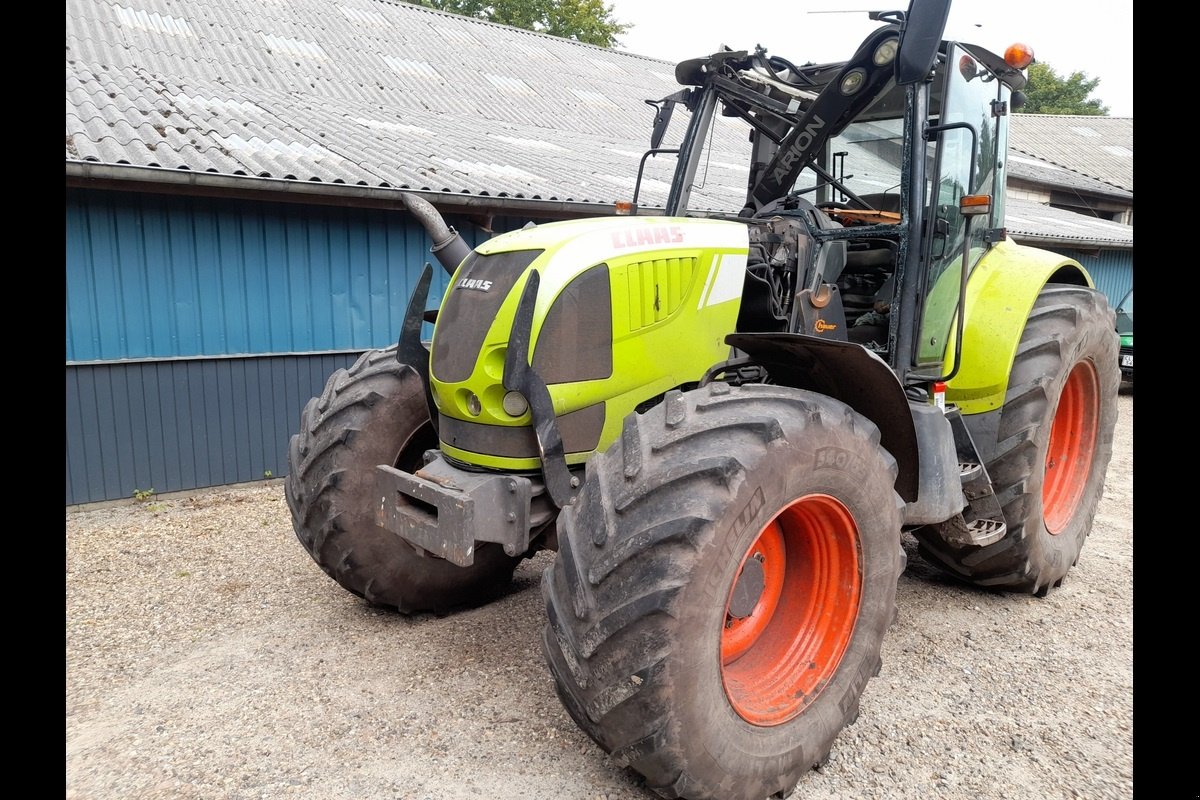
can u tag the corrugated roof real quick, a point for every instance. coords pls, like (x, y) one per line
(1096, 147)
(373, 93)
(378, 94)
(1033, 222)
(1029, 168)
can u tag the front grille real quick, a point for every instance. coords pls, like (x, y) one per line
(580, 431)
(470, 308)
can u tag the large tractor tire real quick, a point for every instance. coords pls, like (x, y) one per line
(375, 413)
(722, 589)
(1047, 448)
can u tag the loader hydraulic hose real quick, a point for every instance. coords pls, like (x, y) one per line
(448, 245)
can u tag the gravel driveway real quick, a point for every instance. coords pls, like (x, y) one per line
(209, 657)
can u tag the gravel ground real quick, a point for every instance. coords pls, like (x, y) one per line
(209, 657)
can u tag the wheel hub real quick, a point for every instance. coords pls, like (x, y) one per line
(748, 589)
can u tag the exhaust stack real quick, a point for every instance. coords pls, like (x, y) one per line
(448, 245)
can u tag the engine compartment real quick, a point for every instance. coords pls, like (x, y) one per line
(785, 259)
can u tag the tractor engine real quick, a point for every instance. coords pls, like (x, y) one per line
(626, 309)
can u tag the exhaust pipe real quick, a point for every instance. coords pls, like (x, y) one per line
(448, 245)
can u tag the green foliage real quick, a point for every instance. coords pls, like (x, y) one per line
(142, 495)
(267, 474)
(589, 21)
(1050, 93)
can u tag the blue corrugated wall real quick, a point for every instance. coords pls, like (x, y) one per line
(1112, 270)
(157, 276)
(159, 285)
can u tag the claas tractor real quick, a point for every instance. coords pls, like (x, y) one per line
(724, 421)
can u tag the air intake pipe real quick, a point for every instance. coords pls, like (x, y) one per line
(448, 245)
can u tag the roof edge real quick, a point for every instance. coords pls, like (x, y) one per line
(89, 174)
(1070, 169)
(1034, 239)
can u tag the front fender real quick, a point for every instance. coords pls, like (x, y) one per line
(1000, 295)
(852, 374)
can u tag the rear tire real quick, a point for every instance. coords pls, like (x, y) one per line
(1047, 448)
(375, 413)
(666, 648)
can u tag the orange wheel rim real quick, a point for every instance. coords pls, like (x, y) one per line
(785, 636)
(1072, 445)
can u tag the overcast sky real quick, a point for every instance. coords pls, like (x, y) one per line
(1091, 36)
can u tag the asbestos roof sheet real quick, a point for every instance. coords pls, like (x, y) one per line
(1053, 176)
(362, 92)
(378, 93)
(1030, 221)
(1100, 148)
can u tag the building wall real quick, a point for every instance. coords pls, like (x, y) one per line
(1112, 270)
(197, 328)
(1027, 193)
(170, 425)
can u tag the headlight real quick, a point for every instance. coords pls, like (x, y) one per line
(886, 52)
(853, 81)
(514, 404)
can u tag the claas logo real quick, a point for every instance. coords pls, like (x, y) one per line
(659, 234)
(473, 283)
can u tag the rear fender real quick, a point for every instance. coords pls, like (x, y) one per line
(1000, 295)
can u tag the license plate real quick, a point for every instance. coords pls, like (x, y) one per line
(1127, 360)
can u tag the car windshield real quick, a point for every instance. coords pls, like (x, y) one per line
(1125, 315)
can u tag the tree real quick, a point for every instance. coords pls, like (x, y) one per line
(589, 21)
(1049, 93)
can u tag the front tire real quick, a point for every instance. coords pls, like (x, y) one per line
(711, 676)
(375, 413)
(1047, 448)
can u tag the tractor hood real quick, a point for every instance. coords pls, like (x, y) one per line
(626, 309)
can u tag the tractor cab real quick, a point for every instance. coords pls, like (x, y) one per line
(866, 190)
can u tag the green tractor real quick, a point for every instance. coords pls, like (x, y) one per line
(723, 421)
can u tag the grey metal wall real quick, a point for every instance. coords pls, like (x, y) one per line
(182, 424)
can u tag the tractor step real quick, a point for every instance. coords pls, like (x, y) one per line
(982, 521)
(983, 532)
(975, 533)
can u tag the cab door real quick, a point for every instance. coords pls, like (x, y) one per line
(968, 149)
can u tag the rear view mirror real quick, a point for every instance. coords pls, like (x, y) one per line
(662, 119)
(664, 109)
(920, 37)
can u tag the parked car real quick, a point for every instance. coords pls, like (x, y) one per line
(1125, 331)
